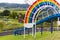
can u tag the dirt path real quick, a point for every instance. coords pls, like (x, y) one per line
(6, 33)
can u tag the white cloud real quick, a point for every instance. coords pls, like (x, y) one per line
(12, 1)
(21, 1)
(30, 1)
(18, 1)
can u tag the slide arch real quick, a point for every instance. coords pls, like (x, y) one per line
(37, 6)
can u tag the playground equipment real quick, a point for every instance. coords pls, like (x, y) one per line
(18, 31)
(38, 13)
(21, 31)
(43, 9)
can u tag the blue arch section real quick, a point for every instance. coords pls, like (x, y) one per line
(40, 5)
(39, 22)
(48, 18)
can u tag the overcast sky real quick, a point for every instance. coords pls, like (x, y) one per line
(12, 1)
(19, 1)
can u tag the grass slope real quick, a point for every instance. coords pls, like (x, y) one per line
(45, 36)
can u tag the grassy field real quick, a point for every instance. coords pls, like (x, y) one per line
(46, 36)
(9, 22)
(13, 23)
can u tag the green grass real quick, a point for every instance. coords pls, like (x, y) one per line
(45, 36)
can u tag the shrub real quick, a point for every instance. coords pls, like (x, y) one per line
(6, 13)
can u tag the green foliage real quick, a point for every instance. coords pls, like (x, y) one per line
(22, 15)
(6, 13)
(1, 14)
(45, 36)
(13, 15)
(2, 24)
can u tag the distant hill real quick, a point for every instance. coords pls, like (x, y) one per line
(13, 5)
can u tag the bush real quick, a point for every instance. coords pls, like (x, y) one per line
(13, 15)
(2, 24)
(6, 13)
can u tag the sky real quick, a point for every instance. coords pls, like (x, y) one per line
(19, 1)
(12, 1)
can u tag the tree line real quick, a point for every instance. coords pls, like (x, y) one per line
(13, 15)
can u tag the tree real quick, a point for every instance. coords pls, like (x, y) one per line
(21, 17)
(13, 15)
(6, 13)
